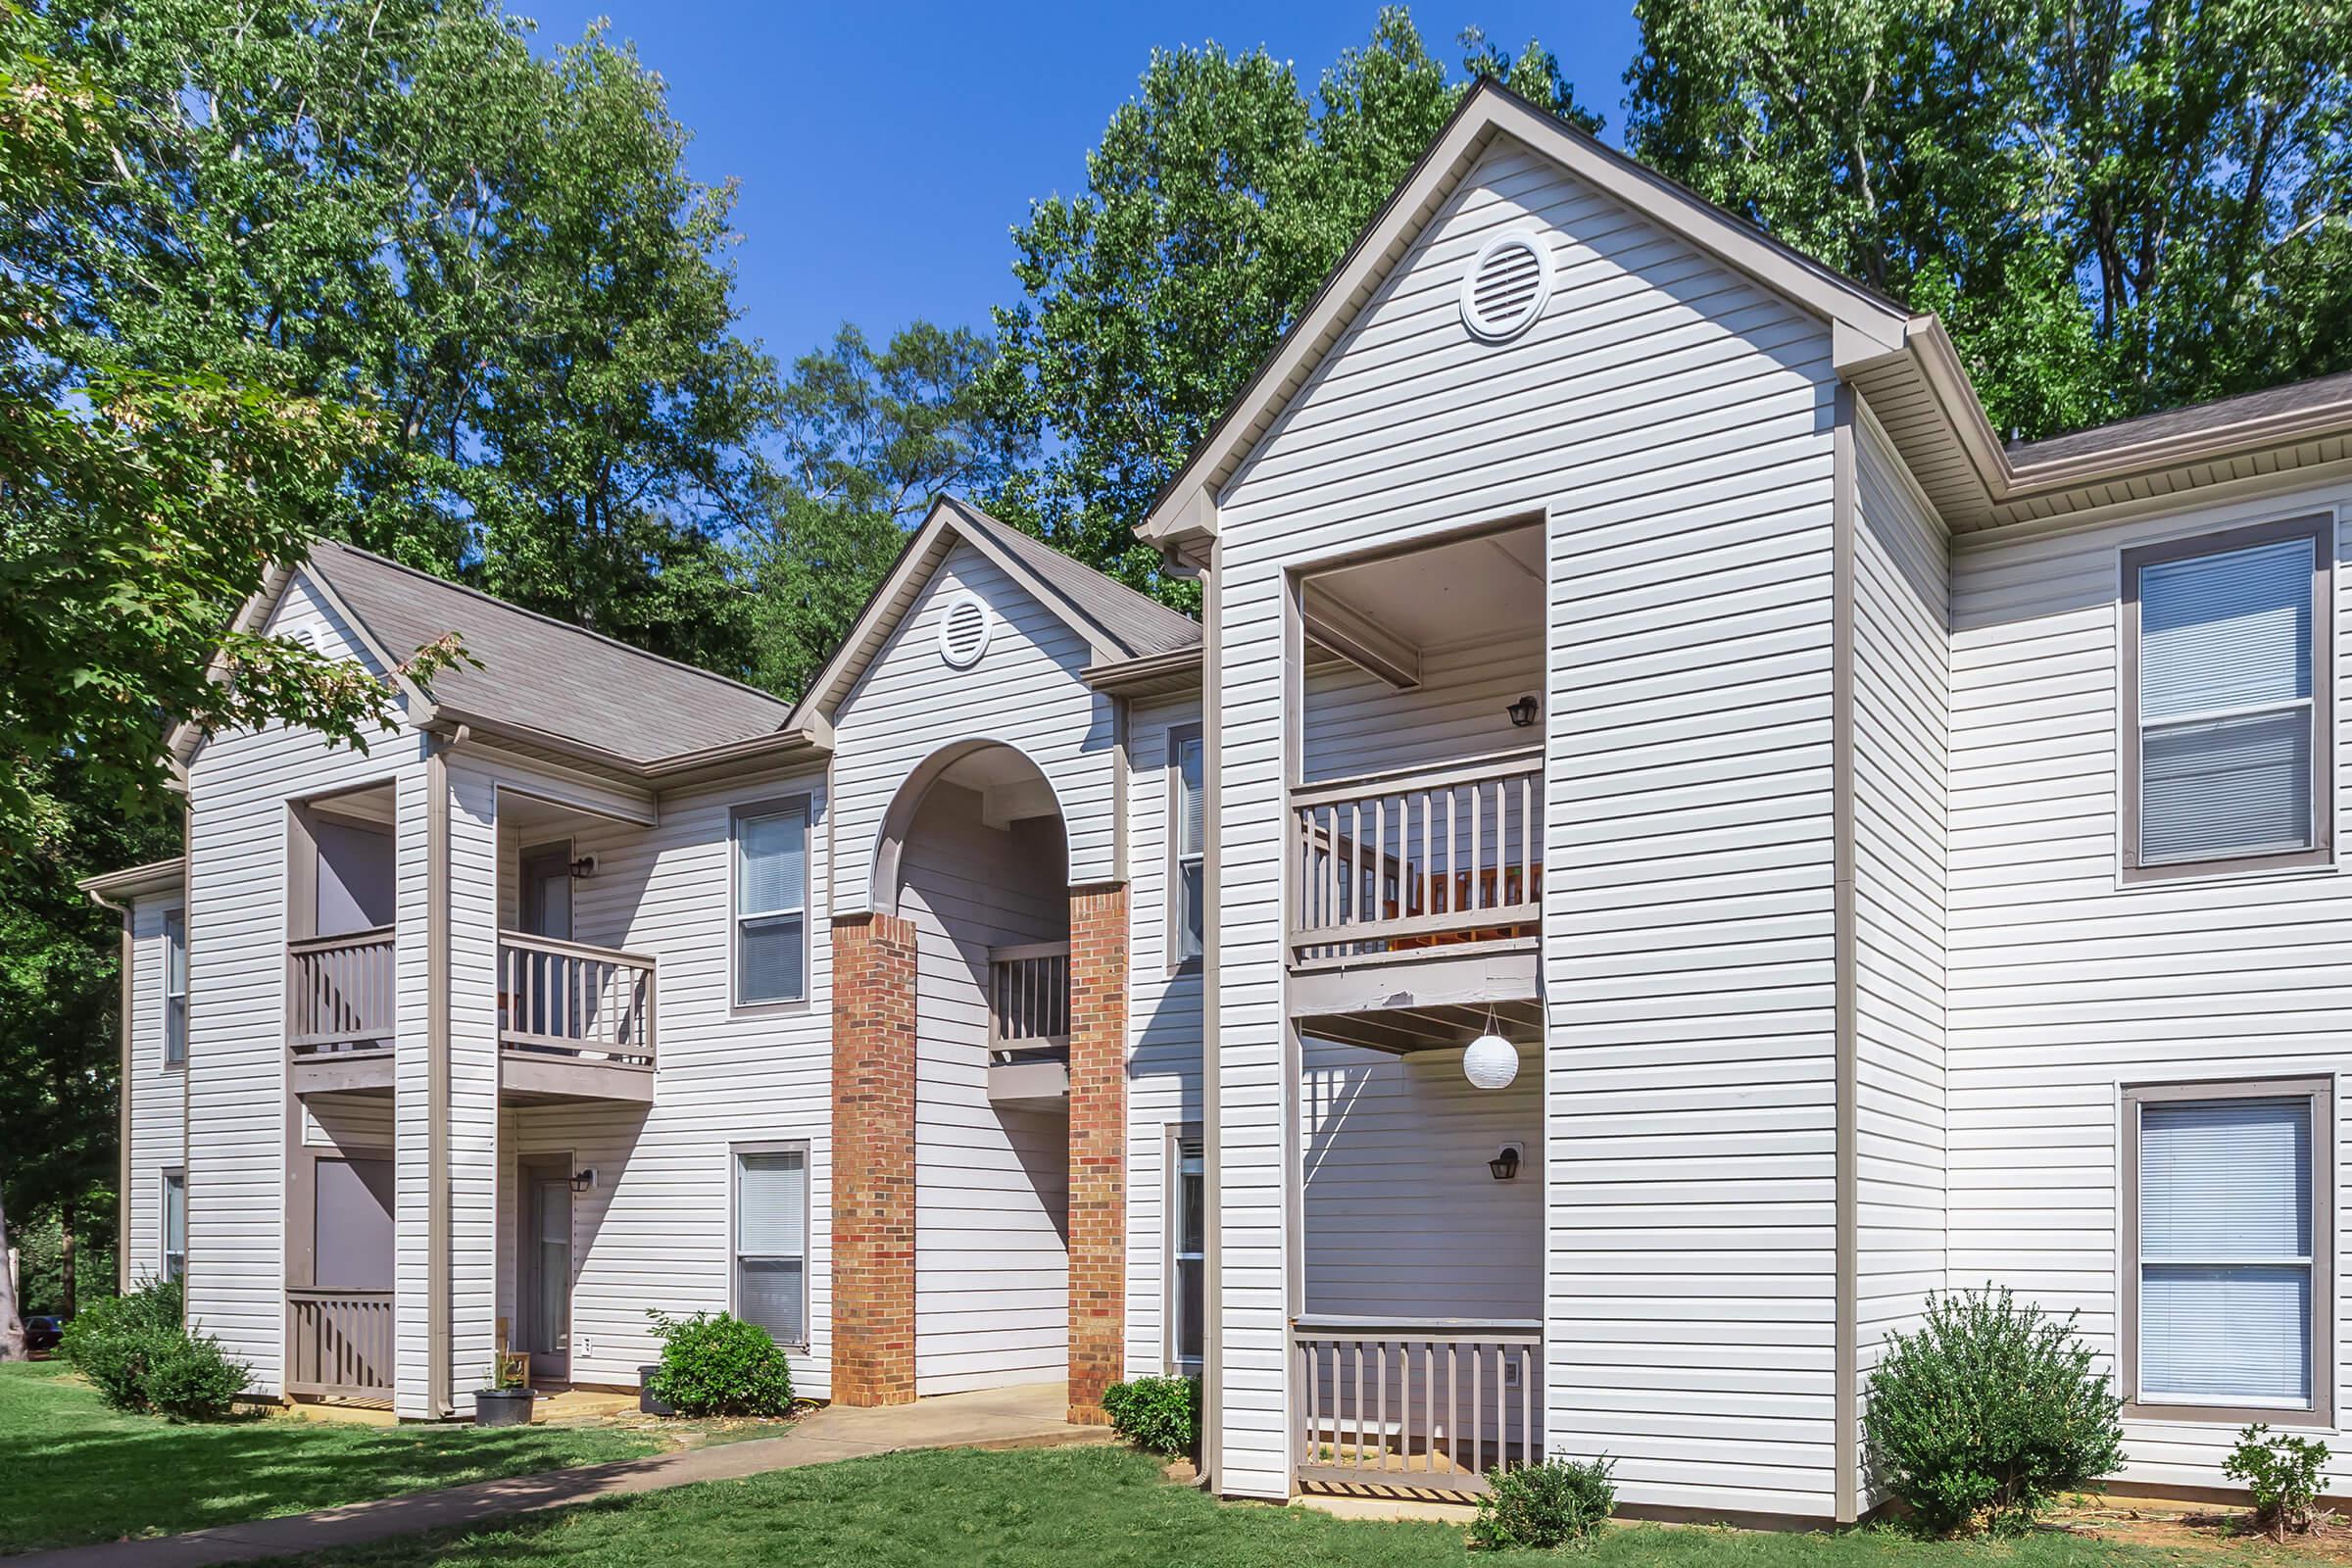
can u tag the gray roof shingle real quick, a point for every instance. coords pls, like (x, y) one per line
(541, 673)
(1136, 623)
(2320, 392)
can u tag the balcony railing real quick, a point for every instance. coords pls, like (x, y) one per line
(564, 999)
(1029, 1000)
(339, 993)
(1419, 857)
(339, 1344)
(1425, 1405)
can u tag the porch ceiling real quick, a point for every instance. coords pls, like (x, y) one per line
(1448, 593)
(1400, 1030)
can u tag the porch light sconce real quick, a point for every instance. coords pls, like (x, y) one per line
(584, 866)
(1522, 712)
(583, 1181)
(1504, 1166)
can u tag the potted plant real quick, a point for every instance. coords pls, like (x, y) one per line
(507, 1402)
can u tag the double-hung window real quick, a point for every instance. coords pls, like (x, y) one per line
(772, 903)
(174, 1228)
(1188, 1243)
(2227, 1240)
(176, 988)
(1188, 841)
(2226, 711)
(770, 1262)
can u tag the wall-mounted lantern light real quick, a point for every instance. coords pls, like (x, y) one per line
(1504, 1166)
(1522, 712)
(584, 866)
(583, 1180)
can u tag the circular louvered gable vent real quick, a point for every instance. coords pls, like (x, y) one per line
(964, 631)
(1507, 286)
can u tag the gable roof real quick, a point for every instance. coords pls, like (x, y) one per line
(1868, 323)
(1117, 623)
(2321, 396)
(540, 674)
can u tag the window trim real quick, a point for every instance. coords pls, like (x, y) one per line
(2320, 529)
(776, 1146)
(736, 815)
(167, 1063)
(1175, 1135)
(2322, 1094)
(1172, 921)
(164, 1178)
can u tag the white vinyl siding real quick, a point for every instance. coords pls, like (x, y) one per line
(2065, 986)
(771, 904)
(157, 1094)
(1671, 422)
(770, 1262)
(2228, 714)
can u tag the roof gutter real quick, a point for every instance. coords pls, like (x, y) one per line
(779, 746)
(1150, 675)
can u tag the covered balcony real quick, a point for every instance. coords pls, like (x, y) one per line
(1029, 1026)
(341, 982)
(1415, 831)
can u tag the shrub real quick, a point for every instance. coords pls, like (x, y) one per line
(1158, 1415)
(2283, 1475)
(1987, 1412)
(720, 1365)
(1560, 1502)
(142, 1358)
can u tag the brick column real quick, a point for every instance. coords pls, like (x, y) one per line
(874, 1159)
(1098, 1221)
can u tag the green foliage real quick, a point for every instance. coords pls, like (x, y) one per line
(141, 1357)
(1560, 1502)
(2282, 1474)
(714, 1364)
(1219, 199)
(2116, 207)
(1986, 1413)
(1158, 1415)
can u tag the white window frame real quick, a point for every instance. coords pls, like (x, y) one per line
(776, 806)
(1180, 911)
(176, 1002)
(2321, 854)
(2319, 1411)
(1181, 1135)
(166, 1179)
(735, 1155)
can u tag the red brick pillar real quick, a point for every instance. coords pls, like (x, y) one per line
(1098, 1220)
(874, 1159)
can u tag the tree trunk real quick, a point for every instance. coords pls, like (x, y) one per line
(65, 1259)
(11, 1327)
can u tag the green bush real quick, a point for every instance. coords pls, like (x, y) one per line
(720, 1365)
(1560, 1502)
(143, 1358)
(1977, 1420)
(1158, 1415)
(2283, 1476)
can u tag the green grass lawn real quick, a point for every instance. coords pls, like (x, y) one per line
(74, 1471)
(1109, 1508)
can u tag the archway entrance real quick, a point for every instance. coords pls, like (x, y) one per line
(975, 857)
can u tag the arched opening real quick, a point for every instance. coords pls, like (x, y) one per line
(974, 857)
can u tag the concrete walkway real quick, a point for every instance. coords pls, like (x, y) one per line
(1029, 1416)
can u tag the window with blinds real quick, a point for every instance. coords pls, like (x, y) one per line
(2229, 1250)
(175, 1227)
(1188, 1281)
(771, 1242)
(771, 904)
(2230, 726)
(176, 988)
(1188, 840)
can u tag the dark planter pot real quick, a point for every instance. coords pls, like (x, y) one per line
(648, 1401)
(502, 1407)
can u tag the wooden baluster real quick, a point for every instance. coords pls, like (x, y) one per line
(1382, 1396)
(1359, 1402)
(1478, 1409)
(1527, 1408)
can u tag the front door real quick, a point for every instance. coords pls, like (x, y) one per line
(543, 1283)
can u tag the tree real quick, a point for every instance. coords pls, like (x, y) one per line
(396, 200)
(867, 440)
(1218, 202)
(2117, 208)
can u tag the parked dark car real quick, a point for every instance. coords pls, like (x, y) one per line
(42, 1333)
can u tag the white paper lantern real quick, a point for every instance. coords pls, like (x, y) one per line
(1490, 1062)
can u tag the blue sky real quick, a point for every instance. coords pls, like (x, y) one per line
(885, 149)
